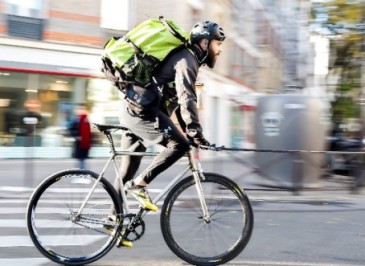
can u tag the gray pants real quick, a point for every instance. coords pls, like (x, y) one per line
(145, 131)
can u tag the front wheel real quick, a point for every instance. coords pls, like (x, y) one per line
(57, 227)
(207, 242)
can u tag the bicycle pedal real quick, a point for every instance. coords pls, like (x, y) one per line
(125, 243)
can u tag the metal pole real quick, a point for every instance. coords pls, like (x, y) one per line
(29, 146)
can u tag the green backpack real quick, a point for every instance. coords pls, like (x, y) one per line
(132, 58)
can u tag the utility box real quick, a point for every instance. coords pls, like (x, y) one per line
(290, 122)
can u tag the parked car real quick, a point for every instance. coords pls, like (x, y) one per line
(344, 164)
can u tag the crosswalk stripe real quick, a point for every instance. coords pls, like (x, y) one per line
(58, 190)
(13, 201)
(24, 261)
(15, 241)
(18, 210)
(16, 189)
(17, 223)
(41, 223)
(12, 210)
(51, 240)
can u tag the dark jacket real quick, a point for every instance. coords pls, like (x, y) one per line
(80, 129)
(177, 76)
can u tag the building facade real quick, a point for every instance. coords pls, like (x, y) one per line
(50, 60)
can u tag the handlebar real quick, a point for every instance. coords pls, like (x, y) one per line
(107, 128)
(211, 147)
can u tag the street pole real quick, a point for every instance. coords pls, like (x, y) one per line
(29, 146)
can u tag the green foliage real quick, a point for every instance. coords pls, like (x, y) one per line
(346, 20)
(338, 16)
(345, 107)
(344, 11)
(344, 88)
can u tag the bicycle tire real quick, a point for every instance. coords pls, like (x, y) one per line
(196, 241)
(52, 206)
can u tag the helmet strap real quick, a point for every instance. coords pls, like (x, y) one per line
(202, 61)
(204, 52)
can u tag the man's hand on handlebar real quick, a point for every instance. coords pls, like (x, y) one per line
(206, 146)
(211, 147)
(198, 141)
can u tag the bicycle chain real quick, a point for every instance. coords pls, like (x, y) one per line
(128, 232)
(93, 229)
(89, 220)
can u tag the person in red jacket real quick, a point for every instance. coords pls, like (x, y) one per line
(81, 130)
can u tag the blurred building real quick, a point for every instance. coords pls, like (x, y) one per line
(50, 58)
(266, 49)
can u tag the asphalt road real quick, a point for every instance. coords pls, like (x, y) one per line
(318, 227)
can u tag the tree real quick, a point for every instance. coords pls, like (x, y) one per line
(343, 21)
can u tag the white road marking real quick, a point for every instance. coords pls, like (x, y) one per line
(51, 240)
(24, 261)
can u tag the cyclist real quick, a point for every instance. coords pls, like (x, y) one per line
(176, 76)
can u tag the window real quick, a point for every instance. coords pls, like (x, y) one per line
(25, 18)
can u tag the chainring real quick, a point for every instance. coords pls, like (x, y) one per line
(133, 229)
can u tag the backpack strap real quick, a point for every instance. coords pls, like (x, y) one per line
(173, 31)
(140, 52)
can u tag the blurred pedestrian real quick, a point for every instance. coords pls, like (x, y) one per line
(80, 129)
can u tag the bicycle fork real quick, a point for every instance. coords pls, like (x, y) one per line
(198, 177)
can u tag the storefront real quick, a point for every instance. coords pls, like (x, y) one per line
(47, 97)
(39, 85)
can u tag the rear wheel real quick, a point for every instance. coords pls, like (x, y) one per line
(56, 228)
(201, 242)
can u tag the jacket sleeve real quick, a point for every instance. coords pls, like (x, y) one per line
(185, 78)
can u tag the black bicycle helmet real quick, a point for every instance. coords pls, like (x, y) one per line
(206, 29)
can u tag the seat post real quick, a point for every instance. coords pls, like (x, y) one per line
(111, 141)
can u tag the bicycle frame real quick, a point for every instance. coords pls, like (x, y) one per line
(193, 165)
(94, 217)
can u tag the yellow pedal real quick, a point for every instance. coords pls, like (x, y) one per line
(126, 243)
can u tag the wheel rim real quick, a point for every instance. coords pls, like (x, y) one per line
(58, 232)
(215, 241)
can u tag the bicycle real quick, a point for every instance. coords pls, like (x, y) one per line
(196, 211)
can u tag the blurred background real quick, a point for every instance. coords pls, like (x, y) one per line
(50, 60)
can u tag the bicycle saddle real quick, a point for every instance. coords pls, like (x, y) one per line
(104, 128)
